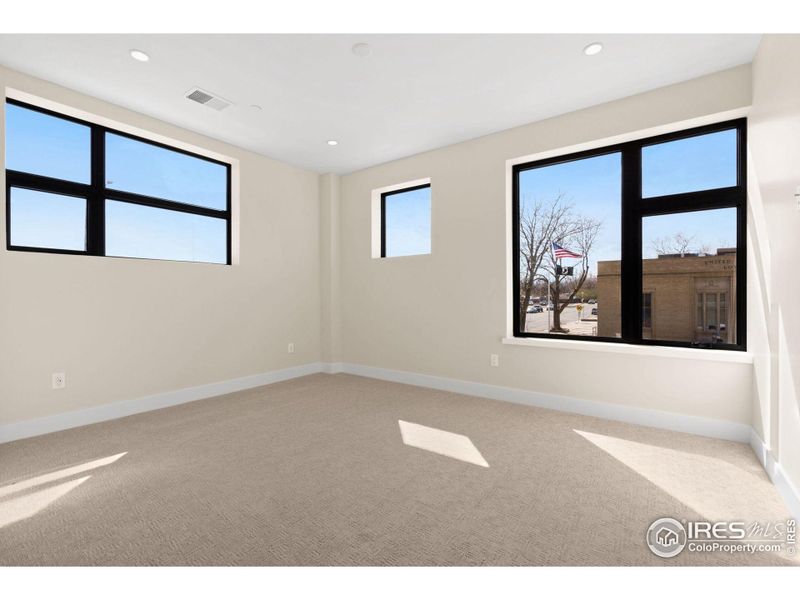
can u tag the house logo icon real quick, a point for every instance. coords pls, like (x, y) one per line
(666, 537)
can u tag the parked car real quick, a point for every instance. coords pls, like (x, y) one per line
(591, 301)
(594, 310)
(534, 308)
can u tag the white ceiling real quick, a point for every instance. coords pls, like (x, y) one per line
(413, 93)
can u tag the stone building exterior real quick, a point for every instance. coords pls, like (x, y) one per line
(689, 298)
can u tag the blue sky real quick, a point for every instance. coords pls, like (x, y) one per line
(145, 232)
(408, 223)
(690, 165)
(47, 220)
(593, 187)
(45, 145)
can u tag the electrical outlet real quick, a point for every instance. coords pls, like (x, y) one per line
(291, 348)
(59, 381)
(494, 360)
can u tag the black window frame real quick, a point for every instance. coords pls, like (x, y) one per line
(96, 192)
(384, 195)
(634, 209)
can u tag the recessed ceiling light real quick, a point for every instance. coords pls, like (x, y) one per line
(362, 49)
(593, 48)
(333, 143)
(139, 55)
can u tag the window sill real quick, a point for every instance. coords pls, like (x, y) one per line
(729, 356)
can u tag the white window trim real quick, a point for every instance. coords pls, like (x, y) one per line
(726, 356)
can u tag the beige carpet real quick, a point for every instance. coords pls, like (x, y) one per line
(315, 472)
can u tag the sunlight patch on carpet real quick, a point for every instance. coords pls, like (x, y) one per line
(28, 505)
(446, 443)
(706, 484)
(25, 484)
(21, 505)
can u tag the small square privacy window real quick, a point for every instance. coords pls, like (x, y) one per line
(80, 188)
(692, 164)
(406, 221)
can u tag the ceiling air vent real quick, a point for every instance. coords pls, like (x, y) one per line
(207, 99)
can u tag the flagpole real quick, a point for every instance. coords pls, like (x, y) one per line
(548, 308)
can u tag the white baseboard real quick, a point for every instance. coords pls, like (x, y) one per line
(787, 489)
(115, 410)
(617, 412)
(716, 428)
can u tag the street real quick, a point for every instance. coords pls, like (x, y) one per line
(537, 322)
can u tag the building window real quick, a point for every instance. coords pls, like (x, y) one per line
(647, 310)
(76, 187)
(406, 221)
(613, 227)
(712, 315)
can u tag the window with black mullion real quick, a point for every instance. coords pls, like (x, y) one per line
(80, 188)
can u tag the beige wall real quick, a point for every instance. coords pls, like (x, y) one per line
(445, 313)
(123, 328)
(774, 139)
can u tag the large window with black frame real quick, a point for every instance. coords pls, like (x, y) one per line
(640, 242)
(75, 187)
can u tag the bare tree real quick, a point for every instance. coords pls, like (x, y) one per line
(537, 225)
(580, 235)
(680, 243)
(540, 225)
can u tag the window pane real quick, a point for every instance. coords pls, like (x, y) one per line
(43, 220)
(577, 205)
(408, 222)
(142, 168)
(703, 162)
(690, 264)
(145, 232)
(44, 145)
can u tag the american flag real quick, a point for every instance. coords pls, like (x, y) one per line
(561, 252)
